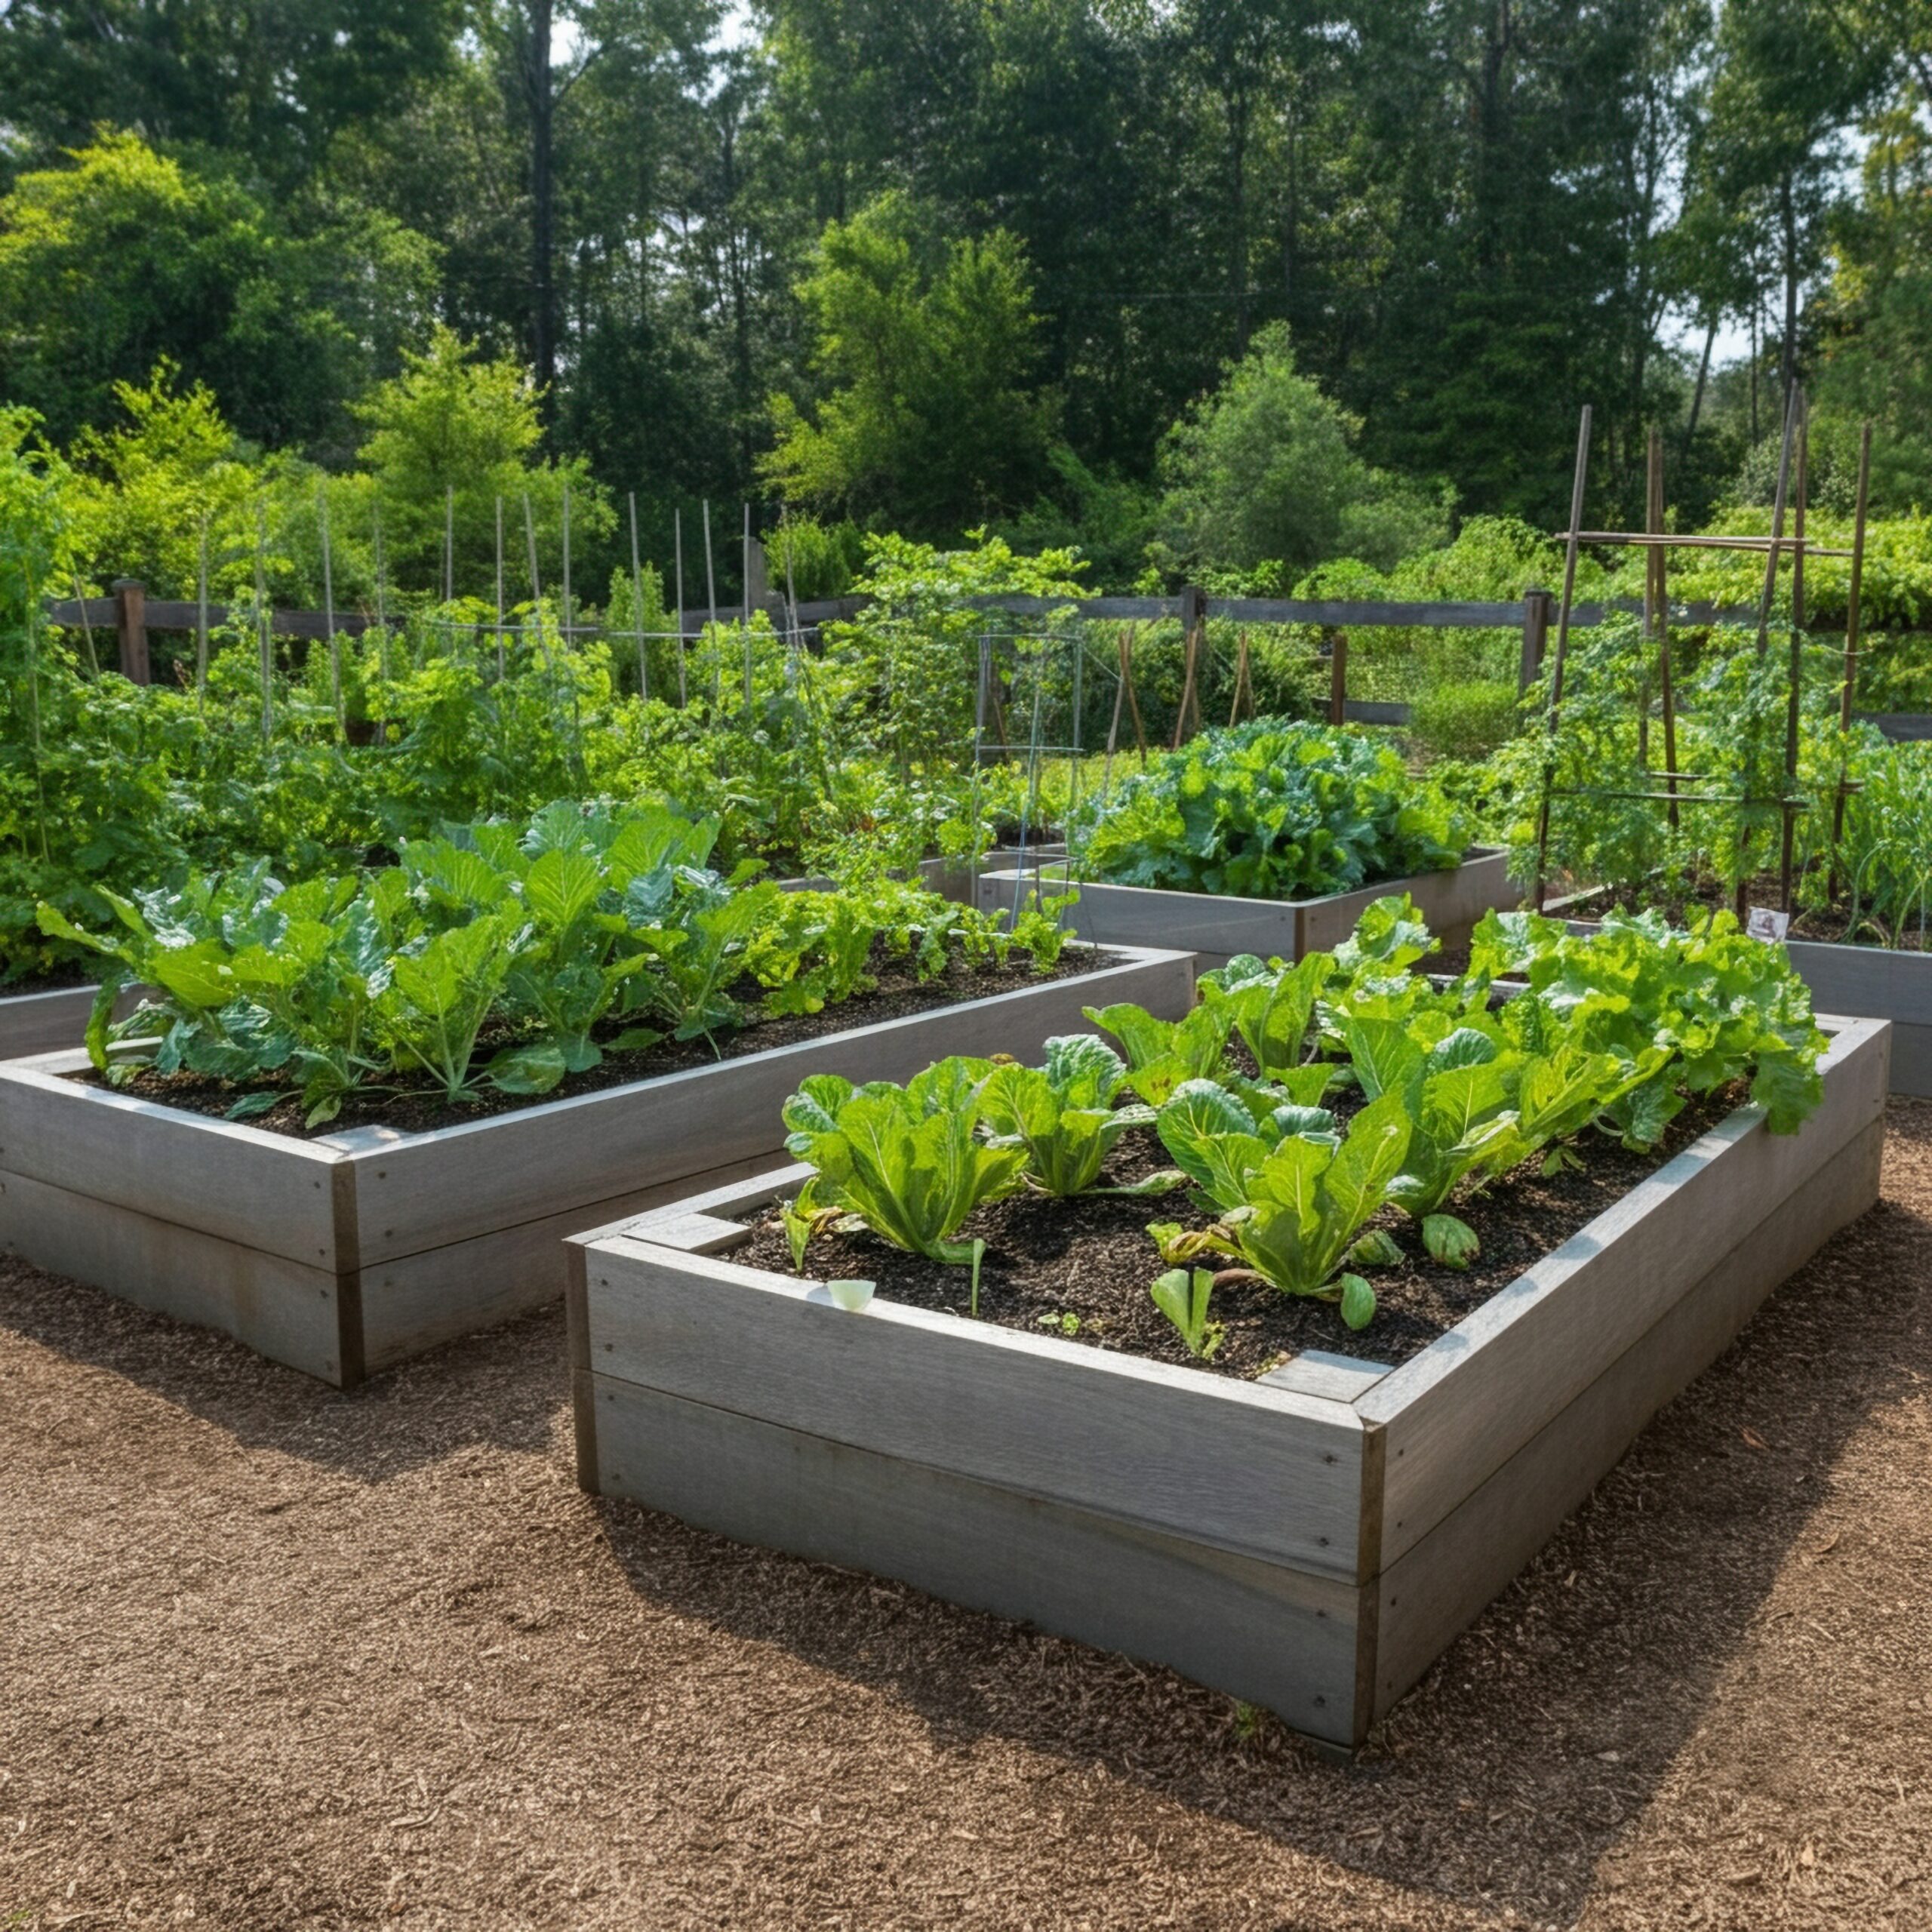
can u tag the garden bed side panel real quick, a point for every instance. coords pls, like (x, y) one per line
(415, 1192)
(1877, 983)
(1274, 1636)
(1218, 925)
(1093, 1428)
(417, 1301)
(306, 1318)
(412, 1240)
(1116, 1502)
(285, 1197)
(1438, 1587)
(1452, 901)
(1456, 1412)
(32, 1024)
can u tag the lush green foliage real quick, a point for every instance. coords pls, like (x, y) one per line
(904, 1161)
(1264, 471)
(124, 255)
(1271, 810)
(925, 354)
(1611, 1033)
(1723, 1006)
(583, 930)
(1062, 1116)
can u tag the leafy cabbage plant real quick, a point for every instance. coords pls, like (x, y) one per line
(1293, 1193)
(1270, 809)
(907, 1162)
(1063, 1117)
(494, 956)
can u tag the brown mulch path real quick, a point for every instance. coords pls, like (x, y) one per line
(275, 1657)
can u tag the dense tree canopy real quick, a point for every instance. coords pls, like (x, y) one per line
(929, 266)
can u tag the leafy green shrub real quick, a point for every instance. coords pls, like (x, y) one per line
(1271, 810)
(1465, 721)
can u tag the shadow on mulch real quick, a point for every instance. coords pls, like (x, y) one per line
(1504, 1777)
(476, 1391)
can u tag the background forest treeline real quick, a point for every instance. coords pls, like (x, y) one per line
(1228, 287)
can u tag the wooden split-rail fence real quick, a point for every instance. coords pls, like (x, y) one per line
(131, 614)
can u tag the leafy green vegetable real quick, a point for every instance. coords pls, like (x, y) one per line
(1062, 1116)
(1719, 1005)
(1290, 1211)
(905, 1161)
(1271, 1006)
(1271, 810)
(587, 928)
(1182, 1296)
(1162, 1054)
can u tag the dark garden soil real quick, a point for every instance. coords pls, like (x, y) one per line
(420, 1106)
(278, 1658)
(1081, 1268)
(1829, 923)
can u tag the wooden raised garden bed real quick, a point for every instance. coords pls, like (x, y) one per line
(1216, 926)
(1311, 1541)
(345, 1254)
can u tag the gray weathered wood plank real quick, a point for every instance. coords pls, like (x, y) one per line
(1273, 1634)
(1269, 1472)
(227, 1178)
(1452, 902)
(282, 1309)
(1216, 926)
(1455, 1412)
(413, 1303)
(418, 1190)
(32, 1024)
(1315, 1372)
(1441, 1583)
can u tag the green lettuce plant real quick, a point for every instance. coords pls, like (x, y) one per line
(907, 1162)
(1062, 1116)
(1291, 1207)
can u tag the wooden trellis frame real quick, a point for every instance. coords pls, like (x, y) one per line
(1656, 543)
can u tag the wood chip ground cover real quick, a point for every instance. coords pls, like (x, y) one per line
(277, 1656)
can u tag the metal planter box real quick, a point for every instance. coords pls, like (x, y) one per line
(1216, 926)
(1310, 1542)
(341, 1255)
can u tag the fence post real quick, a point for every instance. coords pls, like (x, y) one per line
(1536, 607)
(130, 621)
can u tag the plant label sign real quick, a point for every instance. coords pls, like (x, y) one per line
(1765, 923)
